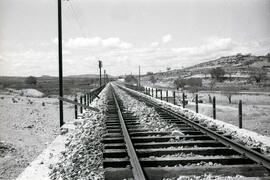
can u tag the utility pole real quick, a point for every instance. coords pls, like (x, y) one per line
(104, 76)
(139, 76)
(100, 66)
(61, 115)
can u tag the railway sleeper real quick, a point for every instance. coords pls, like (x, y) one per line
(250, 171)
(178, 161)
(207, 151)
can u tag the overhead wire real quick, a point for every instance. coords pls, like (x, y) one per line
(76, 17)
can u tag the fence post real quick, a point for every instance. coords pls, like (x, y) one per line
(81, 101)
(152, 92)
(183, 100)
(84, 100)
(174, 102)
(214, 107)
(167, 94)
(76, 108)
(240, 113)
(197, 106)
(87, 99)
(160, 94)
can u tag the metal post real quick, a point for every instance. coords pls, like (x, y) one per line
(81, 101)
(183, 100)
(152, 92)
(84, 100)
(214, 107)
(167, 94)
(90, 97)
(160, 94)
(61, 114)
(76, 108)
(240, 113)
(174, 102)
(197, 106)
(99, 65)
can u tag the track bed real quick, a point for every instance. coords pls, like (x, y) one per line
(162, 155)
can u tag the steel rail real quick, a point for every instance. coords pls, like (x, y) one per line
(134, 160)
(243, 150)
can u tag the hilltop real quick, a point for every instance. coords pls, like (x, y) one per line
(237, 67)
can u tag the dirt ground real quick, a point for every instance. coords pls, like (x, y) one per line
(27, 126)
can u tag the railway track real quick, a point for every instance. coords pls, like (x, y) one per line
(134, 152)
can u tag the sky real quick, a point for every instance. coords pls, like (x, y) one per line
(126, 34)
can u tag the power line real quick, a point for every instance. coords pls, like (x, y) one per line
(76, 17)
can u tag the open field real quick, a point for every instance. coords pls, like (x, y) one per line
(256, 110)
(49, 85)
(27, 126)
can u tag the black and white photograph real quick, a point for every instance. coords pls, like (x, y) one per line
(134, 89)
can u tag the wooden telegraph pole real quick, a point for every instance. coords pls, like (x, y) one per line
(104, 76)
(61, 115)
(100, 66)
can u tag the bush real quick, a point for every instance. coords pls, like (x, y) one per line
(193, 83)
(153, 79)
(217, 74)
(31, 80)
(131, 79)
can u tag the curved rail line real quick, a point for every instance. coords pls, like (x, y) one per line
(131, 151)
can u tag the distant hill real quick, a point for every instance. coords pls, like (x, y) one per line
(237, 65)
(84, 76)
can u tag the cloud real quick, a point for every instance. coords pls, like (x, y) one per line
(212, 45)
(167, 38)
(115, 43)
(1, 58)
(81, 42)
(120, 57)
(154, 44)
(97, 42)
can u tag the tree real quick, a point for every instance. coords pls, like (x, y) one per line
(258, 75)
(179, 83)
(131, 79)
(153, 79)
(168, 68)
(217, 74)
(229, 91)
(31, 80)
(194, 84)
(149, 73)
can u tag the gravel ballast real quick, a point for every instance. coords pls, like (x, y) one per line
(82, 158)
(243, 136)
(148, 117)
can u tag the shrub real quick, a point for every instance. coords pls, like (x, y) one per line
(131, 79)
(31, 80)
(153, 79)
(217, 74)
